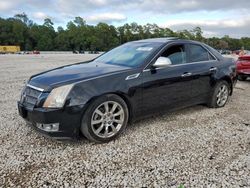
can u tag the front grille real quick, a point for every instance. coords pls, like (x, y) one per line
(30, 97)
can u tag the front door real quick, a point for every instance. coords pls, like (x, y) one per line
(168, 87)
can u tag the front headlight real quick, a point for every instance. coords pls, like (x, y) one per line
(57, 97)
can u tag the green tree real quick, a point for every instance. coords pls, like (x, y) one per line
(197, 32)
(78, 35)
(48, 23)
(42, 37)
(79, 21)
(22, 17)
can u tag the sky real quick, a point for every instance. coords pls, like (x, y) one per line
(215, 17)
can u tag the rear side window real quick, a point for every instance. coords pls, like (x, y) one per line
(198, 53)
(176, 54)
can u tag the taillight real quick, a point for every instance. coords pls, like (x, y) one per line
(238, 62)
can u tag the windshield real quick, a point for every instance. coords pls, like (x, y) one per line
(131, 54)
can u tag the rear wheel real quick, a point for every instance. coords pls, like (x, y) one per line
(242, 77)
(105, 118)
(220, 95)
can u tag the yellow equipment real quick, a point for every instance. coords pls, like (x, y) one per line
(9, 49)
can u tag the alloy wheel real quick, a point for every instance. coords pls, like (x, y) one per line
(222, 95)
(107, 119)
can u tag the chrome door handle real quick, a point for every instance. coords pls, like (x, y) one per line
(213, 69)
(186, 74)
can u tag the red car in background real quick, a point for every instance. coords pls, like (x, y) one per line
(36, 52)
(243, 67)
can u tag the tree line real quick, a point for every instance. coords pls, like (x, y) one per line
(78, 35)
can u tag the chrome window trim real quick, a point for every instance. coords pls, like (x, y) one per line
(36, 88)
(215, 58)
(198, 62)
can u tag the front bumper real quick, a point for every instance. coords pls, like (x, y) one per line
(69, 120)
(245, 72)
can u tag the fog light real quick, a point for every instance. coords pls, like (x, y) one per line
(52, 127)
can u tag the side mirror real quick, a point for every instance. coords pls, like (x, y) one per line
(162, 62)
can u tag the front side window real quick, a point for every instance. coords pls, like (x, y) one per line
(198, 53)
(176, 54)
(131, 54)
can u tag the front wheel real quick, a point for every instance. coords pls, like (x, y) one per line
(105, 118)
(219, 95)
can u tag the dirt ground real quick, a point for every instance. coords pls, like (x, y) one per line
(196, 147)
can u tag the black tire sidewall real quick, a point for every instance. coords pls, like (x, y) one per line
(86, 128)
(242, 77)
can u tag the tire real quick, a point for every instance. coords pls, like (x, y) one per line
(105, 119)
(217, 92)
(242, 77)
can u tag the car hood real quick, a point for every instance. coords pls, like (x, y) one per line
(73, 73)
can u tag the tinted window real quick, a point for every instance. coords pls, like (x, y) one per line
(198, 53)
(131, 54)
(176, 54)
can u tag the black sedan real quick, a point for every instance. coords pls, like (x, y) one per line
(98, 98)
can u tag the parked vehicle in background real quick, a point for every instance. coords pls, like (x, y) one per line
(94, 52)
(225, 52)
(140, 78)
(24, 52)
(9, 49)
(243, 67)
(75, 52)
(236, 52)
(36, 52)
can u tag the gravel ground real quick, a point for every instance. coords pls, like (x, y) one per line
(196, 147)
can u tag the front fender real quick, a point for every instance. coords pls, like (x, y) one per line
(86, 91)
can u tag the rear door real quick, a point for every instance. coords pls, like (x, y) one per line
(204, 66)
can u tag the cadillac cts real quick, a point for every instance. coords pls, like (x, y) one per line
(99, 97)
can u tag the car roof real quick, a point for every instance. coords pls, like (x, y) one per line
(165, 40)
(158, 40)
